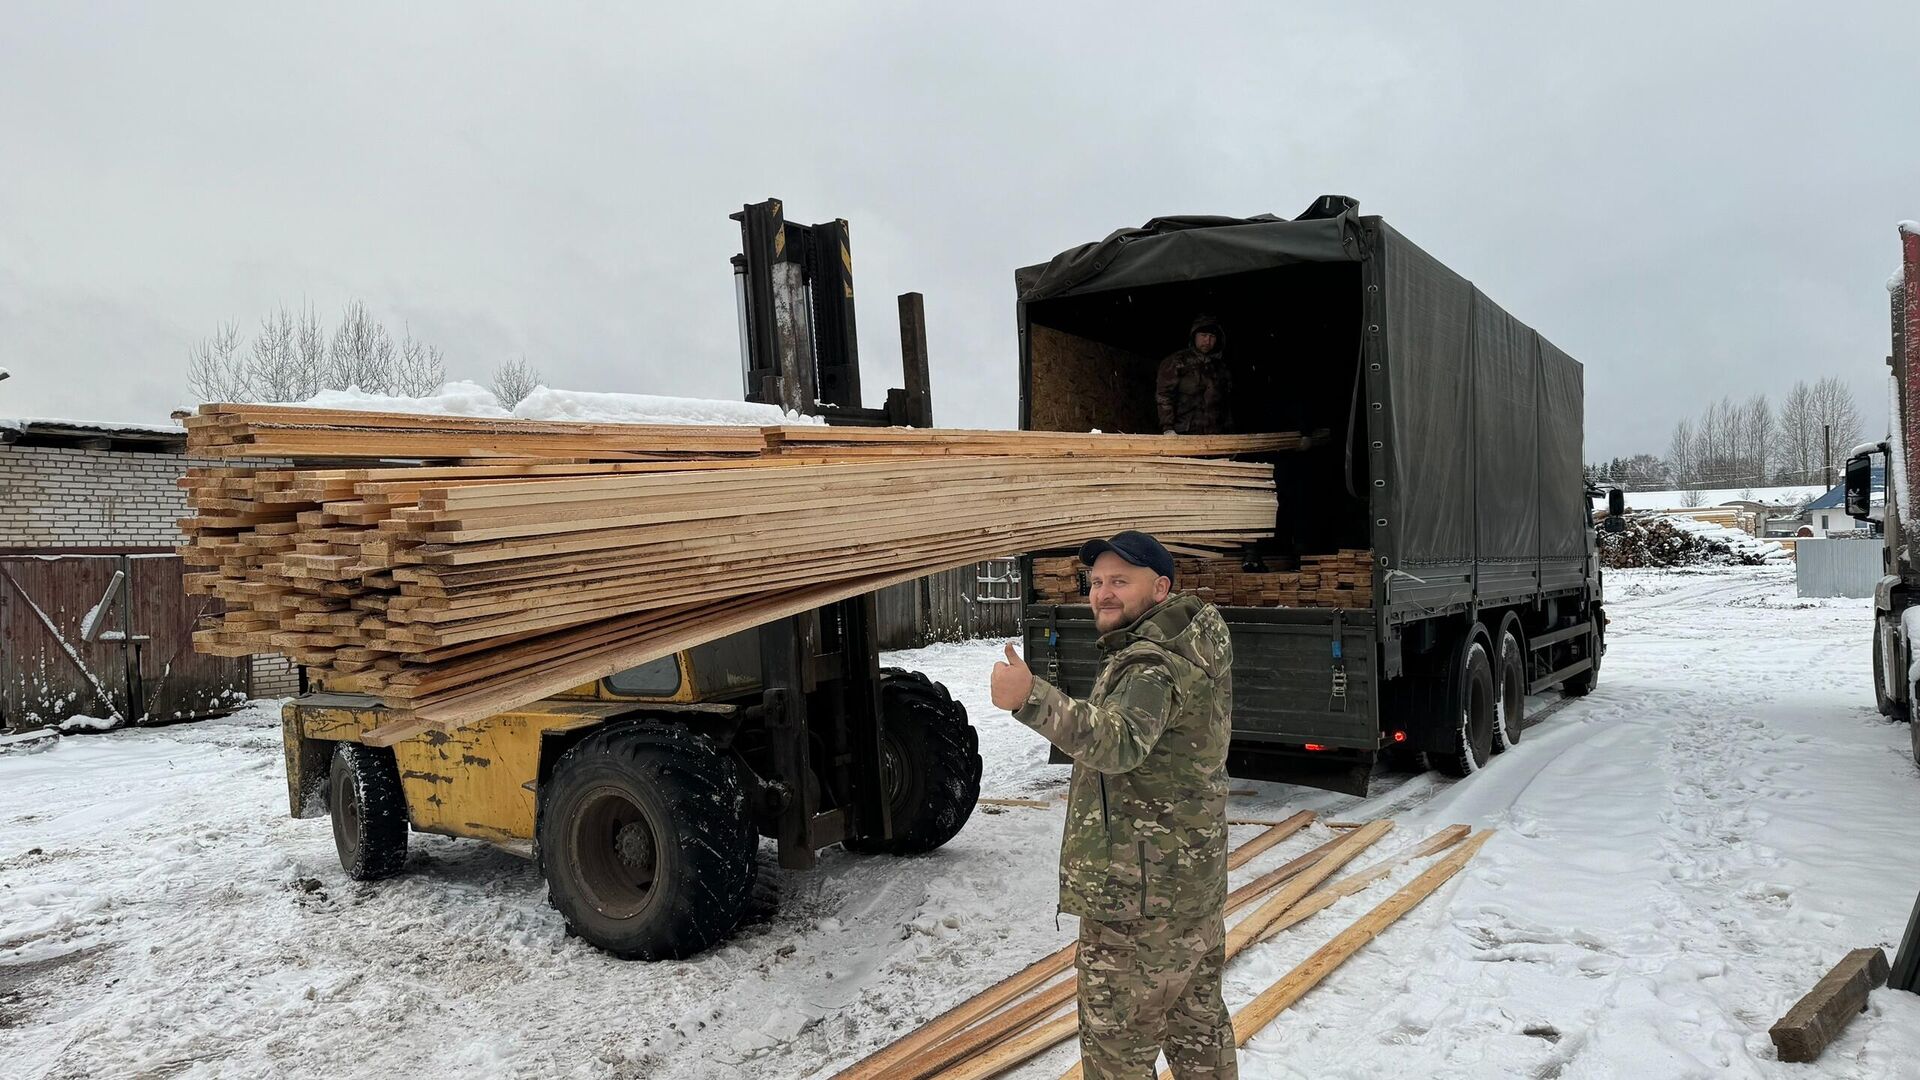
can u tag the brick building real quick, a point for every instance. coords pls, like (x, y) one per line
(75, 488)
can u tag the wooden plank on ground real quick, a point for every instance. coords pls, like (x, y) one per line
(1819, 1017)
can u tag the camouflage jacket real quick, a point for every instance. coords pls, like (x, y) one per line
(1146, 832)
(1194, 393)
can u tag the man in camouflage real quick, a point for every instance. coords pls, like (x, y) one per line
(1144, 860)
(1194, 389)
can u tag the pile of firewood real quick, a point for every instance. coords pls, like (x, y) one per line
(1658, 542)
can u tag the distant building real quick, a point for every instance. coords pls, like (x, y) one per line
(93, 616)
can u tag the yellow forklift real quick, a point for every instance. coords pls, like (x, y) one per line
(643, 797)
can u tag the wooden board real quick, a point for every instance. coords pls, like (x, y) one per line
(1819, 1017)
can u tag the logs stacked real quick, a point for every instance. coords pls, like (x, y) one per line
(457, 591)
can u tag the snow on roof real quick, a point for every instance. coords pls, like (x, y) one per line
(1911, 228)
(29, 423)
(1785, 497)
(472, 399)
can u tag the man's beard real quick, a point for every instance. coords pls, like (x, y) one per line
(1107, 620)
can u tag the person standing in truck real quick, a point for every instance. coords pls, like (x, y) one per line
(1194, 389)
(1144, 860)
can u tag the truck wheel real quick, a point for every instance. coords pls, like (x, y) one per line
(1886, 703)
(369, 811)
(1469, 700)
(1582, 684)
(1510, 679)
(930, 757)
(645, 841)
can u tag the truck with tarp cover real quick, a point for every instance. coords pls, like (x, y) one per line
(1444, 463)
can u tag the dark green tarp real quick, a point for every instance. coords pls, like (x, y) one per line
(1484, 417)
(1188, 249)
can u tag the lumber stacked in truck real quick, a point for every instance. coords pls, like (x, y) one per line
(454, 592)
(1342, 580)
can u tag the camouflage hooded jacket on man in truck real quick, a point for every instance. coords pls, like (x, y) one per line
(1193, 391)
(1143, 860)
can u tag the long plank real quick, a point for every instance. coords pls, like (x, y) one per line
(1274, 1000)
(887, 1060)
(1301, 876)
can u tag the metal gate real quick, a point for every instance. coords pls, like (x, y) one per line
(107, 636)
(1837, 567)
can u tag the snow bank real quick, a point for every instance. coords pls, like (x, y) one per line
(472, 399)
(452, 399)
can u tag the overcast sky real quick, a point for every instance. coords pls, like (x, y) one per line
(1693, 199)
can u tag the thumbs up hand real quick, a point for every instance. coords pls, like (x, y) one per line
(1012, 682)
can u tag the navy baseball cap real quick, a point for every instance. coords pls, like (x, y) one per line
(1136, 547)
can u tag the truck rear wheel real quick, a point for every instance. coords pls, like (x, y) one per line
(1510, 681)
(1469, 699)
(645, 841)
(1582, 684)
(930, 759)
(1888, 705)
(369, 811)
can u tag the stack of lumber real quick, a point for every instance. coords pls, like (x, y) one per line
(1022, 1016)
(454, 592)
(1342, 580)
(276, 431)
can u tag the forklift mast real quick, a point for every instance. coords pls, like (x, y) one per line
(820, 672)
(793, 293)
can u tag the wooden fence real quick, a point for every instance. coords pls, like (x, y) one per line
(978, 601)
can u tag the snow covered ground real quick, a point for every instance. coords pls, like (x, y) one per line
(1679, 857)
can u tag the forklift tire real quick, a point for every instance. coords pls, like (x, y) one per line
(1582, 684)
(1510, 684)
(1468, 699)
(930, 756)
(645, 841)
(763, 896)
(369, 811)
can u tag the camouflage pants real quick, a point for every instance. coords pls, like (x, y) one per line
(1148, 985)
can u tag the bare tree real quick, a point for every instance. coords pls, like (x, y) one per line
(1717, 457)
(1836, 418)
(292, 357)
(1683, 455)
(215, 368)
(360, 355)
(1756, 438)
(514, 380)
(419, 369)
(276, 370)
(1799, 436)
